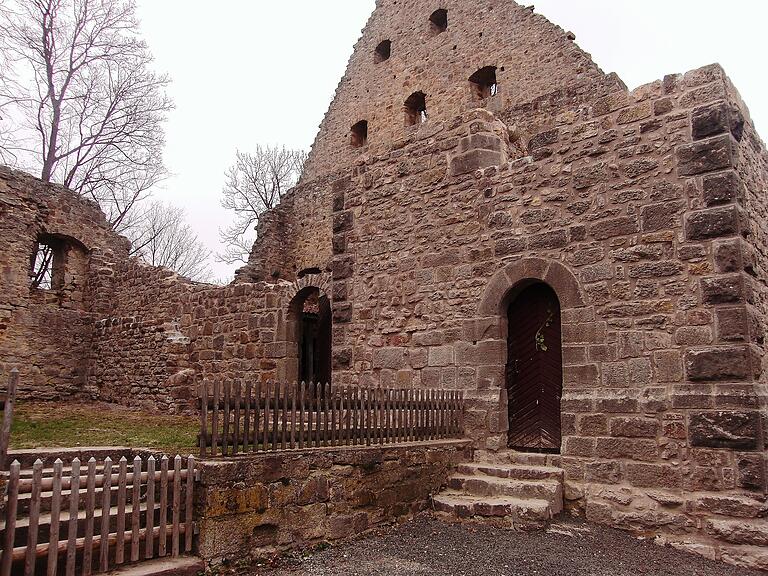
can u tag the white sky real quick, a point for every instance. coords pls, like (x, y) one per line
(253, 72)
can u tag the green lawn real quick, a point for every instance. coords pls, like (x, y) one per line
(66, 424)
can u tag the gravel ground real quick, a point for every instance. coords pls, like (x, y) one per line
(429, 547)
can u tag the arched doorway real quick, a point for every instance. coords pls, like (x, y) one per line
(534, 372)
(310, 313)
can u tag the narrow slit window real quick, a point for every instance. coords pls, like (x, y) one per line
(438, 22)
(383, 52)
(484, 84)
(416, 109)
(359, 134)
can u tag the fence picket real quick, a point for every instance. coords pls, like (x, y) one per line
(326, 414)
(247, 417)
(34, 518)
(267, 400)
(236, 439)
(301, 415)
(203, 418)
(90, 503)
(53, 556)
(106, 505)
(318, 415)
(227, 415)
(149, 547)
(5, 433)
(215, 424)
(188, 531)
(74, 506)
(284, 439)
(121, 498)
(256, 414)
(162, 538)
(176, 505)
(10, 518)
(135, 508)
(332, 393)
(276, 417)
(294, 392)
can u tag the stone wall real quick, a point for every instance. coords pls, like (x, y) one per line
(642, 210)
(533, 57)
(255, 506)
(48, 333)
(295, 236)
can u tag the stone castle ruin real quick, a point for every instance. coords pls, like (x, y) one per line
(483, 210)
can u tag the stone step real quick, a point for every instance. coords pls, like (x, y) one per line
(515, 471)
(181, 566)
(519, 513)
(514, 457)
(547, 490)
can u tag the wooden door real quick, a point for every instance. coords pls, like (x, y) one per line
(535, 370)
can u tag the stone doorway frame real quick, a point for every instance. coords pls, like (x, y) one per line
(292, 323)
(491, 320)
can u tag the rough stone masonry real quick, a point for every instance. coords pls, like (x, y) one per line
(472, 149)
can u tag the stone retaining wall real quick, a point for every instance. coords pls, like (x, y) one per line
(257, 505)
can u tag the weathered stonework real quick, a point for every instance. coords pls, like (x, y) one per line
(644, 211)
(253, 507)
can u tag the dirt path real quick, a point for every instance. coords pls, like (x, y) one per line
(429, 547)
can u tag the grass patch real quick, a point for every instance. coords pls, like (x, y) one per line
(68, 425)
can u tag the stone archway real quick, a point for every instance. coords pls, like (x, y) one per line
(491, 326)
(308, 330)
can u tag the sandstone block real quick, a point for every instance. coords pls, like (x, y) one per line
(544, 139)
(468, 162)
(615, 227)
(706, 156)
(712, 223)
(715, 119)
(723, 289)
(721, 188)
(661, 216)
(635, 427)
(717, 364)
(588, 176)
(735, 430)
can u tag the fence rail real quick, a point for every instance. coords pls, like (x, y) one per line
(7, 401)
(92, 520)
(237, 419)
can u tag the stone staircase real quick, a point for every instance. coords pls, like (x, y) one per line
(506, 489)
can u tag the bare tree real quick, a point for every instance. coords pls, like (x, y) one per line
(255, 184)
(165, 239)
(80, 100)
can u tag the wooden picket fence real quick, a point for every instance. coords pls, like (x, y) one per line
(237, 419)
(66, 520)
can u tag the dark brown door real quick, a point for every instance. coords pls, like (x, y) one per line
(535, 370)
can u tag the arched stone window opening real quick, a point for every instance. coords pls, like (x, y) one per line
(416, 109)
(438, 22)
(56, 262)
(484, 84)
(383, 52)
(359, 134)
(311, 331)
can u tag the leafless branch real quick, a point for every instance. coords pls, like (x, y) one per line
(162, 238)
(255, 184)
(80, 101)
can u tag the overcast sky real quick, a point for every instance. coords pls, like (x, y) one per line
(249, 72)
